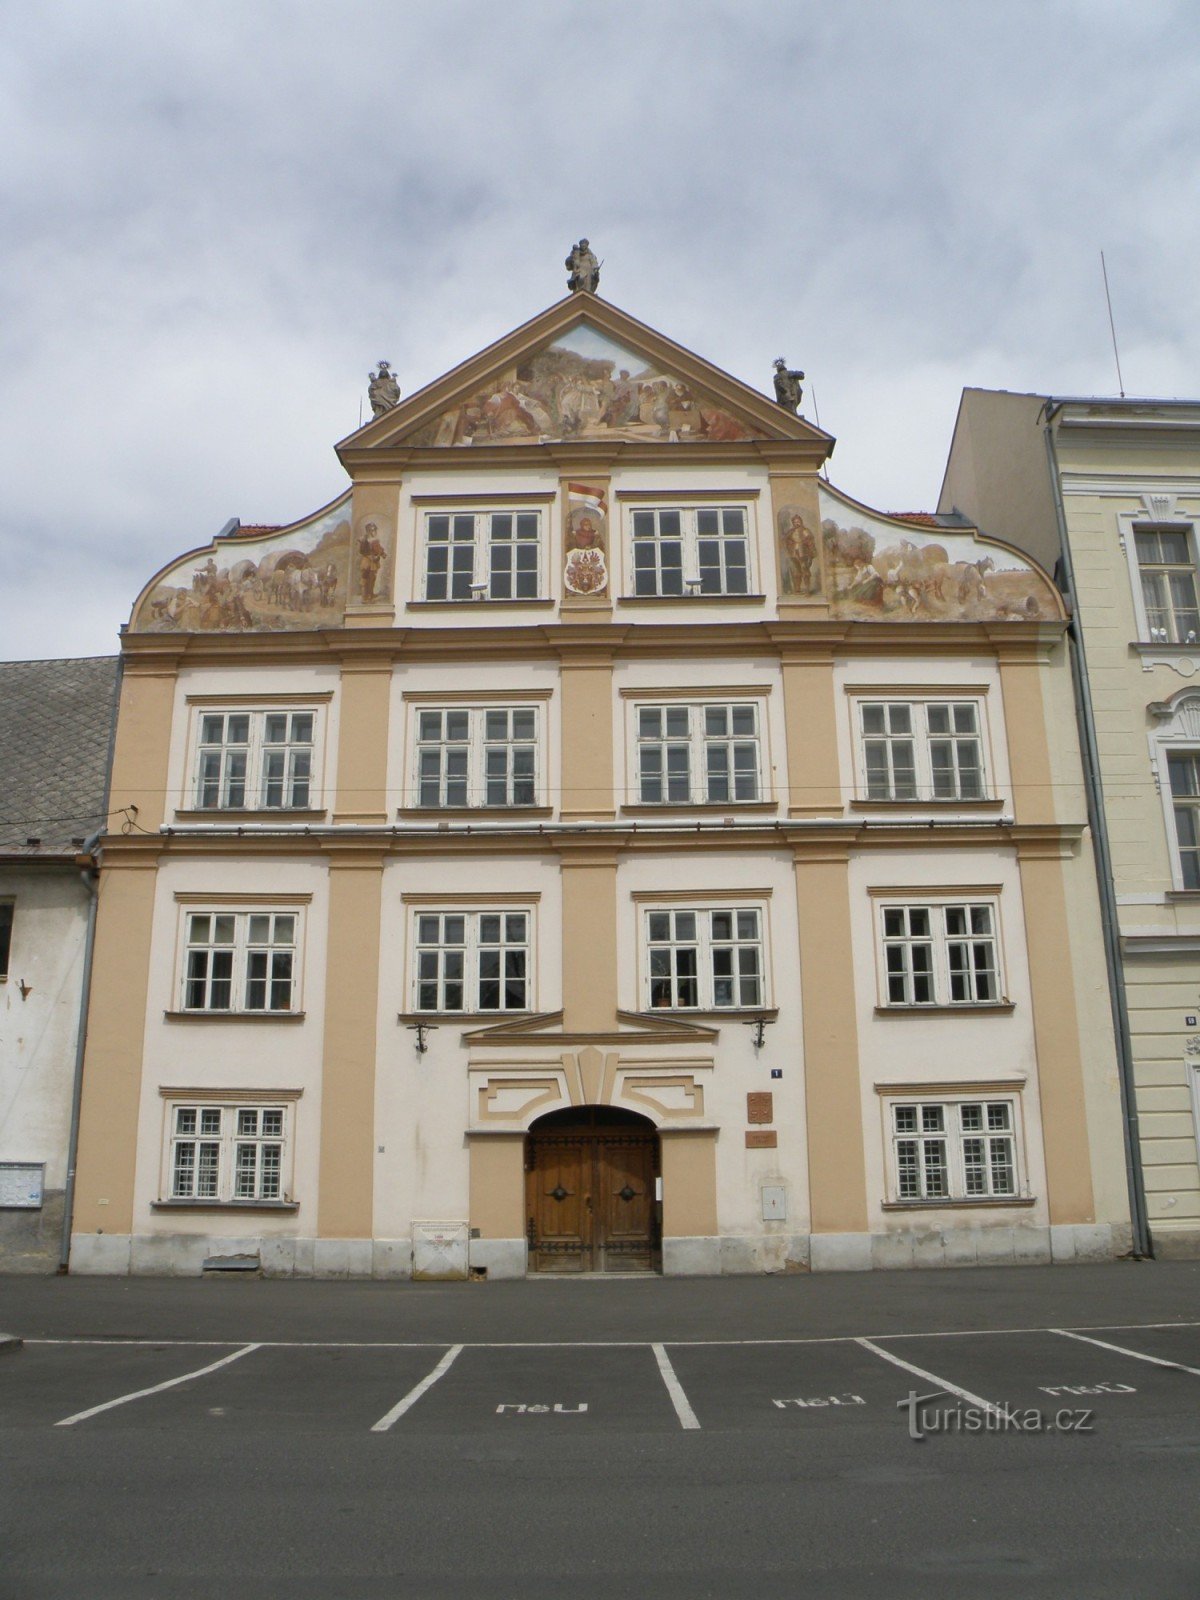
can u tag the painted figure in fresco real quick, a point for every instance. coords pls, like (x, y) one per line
(787, 385)
(586, 572)
(622, 408)
(580, 403)
(382, 390)
(800, 575)
(583, 270)
(371, 556)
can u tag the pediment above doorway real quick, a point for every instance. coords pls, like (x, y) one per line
(507, 1097)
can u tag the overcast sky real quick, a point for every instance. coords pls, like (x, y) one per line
(217, 216)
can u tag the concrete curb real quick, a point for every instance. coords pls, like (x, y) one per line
(9, 1341)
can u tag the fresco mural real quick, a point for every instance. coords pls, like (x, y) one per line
(878, 569)
(586, 542)
(582, 386)
(800, 561)
(293, 578)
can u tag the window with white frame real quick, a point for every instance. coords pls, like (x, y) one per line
(255, 760)
(921, 750)
(688, 550)
(943, 954)
(704, 959)
(698, 754)
(477, 756)
(240, 961)
(1183, 768)
(1167, 569)
(473, 961)
(6, 927)
(225, 1153)
(483, 555)
(953, 1150)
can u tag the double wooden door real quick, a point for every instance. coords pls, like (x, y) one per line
(590, 1201)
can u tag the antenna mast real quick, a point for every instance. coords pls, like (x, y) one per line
(1112, 327)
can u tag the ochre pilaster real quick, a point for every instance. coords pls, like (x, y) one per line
(364, 715)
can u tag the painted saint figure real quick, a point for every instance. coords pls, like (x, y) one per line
(371, 556)
(800, 575)
(787, 385)
(583, 270)
(382, 390)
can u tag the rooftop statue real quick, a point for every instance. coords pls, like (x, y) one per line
(787, 385)
(583, 270)
(382, 390)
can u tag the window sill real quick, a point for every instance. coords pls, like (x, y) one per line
(1002, 1008)
(737, 1013)
(245, 814)
(471, 813)
(927, 805)
(432, 1018)
(233, 1016)
(289, 1206)
(1165, 648)
(678, 808)
(1009, 1202)
(1182, 894)
(692, 599)
(489, 605)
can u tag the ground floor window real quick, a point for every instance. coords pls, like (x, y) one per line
(226, 1153)
(953, 1150)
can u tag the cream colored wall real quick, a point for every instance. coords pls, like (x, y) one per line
(421, 1107)
(997, 473)
(905, 1049)
(228, 1053)
(1160, 992)
(740, 1068)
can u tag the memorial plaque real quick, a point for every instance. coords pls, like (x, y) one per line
(761, 1139)
(21, 1185)
(760, 1107)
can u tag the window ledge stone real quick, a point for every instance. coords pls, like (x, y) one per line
(1002, 1008)
(287, 1206)
(732, 1013)
(1008, 1201)
(450, 1018)
(927, 805)
(692, 599)
(473, 813)
(227, 814)
(457, 605)
(234, 1016)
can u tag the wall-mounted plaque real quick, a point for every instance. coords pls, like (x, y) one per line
(761, 1139)
(21, 1185)
(760, 1107)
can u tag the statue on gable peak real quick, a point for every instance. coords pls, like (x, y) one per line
(583, 270)
(382, 390)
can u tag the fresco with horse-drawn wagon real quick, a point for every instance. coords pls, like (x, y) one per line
(884, 568)
(285, 579)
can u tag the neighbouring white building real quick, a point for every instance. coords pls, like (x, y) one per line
(55, 730)
(592, 843)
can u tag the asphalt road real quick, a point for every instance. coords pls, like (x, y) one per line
(663, 1437)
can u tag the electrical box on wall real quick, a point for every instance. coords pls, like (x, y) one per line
(774, 1202)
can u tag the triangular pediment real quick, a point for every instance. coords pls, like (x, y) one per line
(583, 372)
(629, 1027)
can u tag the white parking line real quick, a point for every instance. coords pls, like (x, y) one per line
(1138, 1355)
(687, 1417)
(157, 1388)
(932, 1377)
(413, 1395)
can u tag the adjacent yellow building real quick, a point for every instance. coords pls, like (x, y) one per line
(595, 843)
(1111, 488)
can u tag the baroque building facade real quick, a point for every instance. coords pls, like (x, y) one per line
(595, 843)
(1110, 489)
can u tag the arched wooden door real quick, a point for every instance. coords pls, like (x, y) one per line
(591, 1193)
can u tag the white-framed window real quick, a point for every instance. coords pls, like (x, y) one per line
(921, 750)
(6, 928)
(241, 961)
(942, 954)
(226, 1153)
(953, 1149)
(473, 961)
(477, 756)
(690, 550)
(704, 959)
(1183, 772)
(698, 754)
(483, 555)
(255, 760)
(1166, 561)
